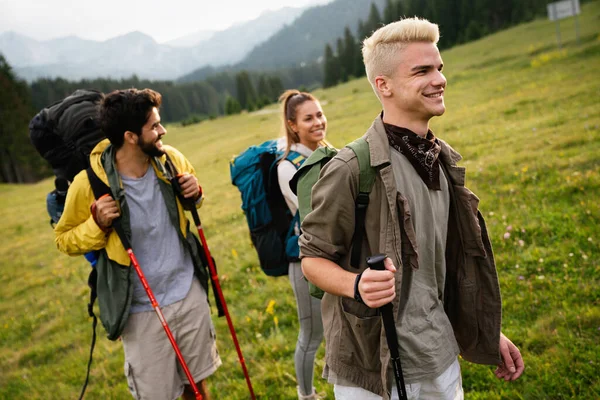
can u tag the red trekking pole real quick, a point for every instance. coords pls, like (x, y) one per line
(189, 204)
(117, 226)
(215, 279)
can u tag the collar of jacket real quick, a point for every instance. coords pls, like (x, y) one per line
(379, 149)
(102, 162)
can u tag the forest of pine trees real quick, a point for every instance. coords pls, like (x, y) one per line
(181, 101)
(460, 21)
(186, 102)
(19, 161)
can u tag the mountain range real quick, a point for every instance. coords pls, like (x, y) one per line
(286, 37)
(300, 43)
(304, 40)
(136, 53)
(192, 39)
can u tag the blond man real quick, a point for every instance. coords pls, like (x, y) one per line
(440, 272)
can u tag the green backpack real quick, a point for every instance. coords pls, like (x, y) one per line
(308, 175)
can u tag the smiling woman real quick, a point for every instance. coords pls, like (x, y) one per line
(304, 121)
(304, 125)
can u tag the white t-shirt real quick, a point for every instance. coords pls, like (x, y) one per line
(286, 170)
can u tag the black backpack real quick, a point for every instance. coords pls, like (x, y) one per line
(65, 134)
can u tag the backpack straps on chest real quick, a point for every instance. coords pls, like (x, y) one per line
(99, 189)
(190, 205)
(308, 173)
(366, 180)
(295, 158)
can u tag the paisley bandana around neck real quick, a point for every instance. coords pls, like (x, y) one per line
(421, 152)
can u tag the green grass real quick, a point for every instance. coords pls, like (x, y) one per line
(526, 118)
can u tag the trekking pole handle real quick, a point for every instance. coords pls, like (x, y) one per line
(187, 203)
(387, 314)
(200, 192)
(376, 262)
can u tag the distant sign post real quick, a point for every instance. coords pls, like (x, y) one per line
(564, 9)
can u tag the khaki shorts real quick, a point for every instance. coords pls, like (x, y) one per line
(151, 365)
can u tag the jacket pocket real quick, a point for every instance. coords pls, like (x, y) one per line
(467, 207)
(465, 325)
(408, 235)
(420, 308)
(114, 295)
(360, 336)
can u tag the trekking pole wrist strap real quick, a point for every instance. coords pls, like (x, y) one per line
(357, 295)
(199, 197)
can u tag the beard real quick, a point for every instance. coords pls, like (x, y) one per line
(149, 148)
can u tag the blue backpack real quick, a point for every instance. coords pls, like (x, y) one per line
(271, 224)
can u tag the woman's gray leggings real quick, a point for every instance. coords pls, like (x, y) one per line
(311, 329)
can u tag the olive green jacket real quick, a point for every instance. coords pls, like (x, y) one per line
(356, 348)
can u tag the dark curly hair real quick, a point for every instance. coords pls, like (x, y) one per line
(126, 110)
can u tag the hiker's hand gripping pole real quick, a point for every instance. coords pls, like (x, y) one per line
(217, 285)
(387, 315)
(118, 228)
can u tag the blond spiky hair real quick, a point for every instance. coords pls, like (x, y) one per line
(380, 50)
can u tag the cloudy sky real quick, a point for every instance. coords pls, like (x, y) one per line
(103, 19)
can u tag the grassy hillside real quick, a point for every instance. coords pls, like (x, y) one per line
(526, 118)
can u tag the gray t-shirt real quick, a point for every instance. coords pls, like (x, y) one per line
(166, 264)
(427, 343)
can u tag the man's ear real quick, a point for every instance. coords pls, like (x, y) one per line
(131, 137)
(383, 85)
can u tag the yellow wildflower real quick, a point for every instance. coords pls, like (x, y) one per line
(271, 307)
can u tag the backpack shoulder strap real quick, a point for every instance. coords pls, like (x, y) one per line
(169, 166)
(366, 180)
(92, 283)
(98, 187)
(360, 147)
(190, 205)
(295, 158)
(306, 176)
